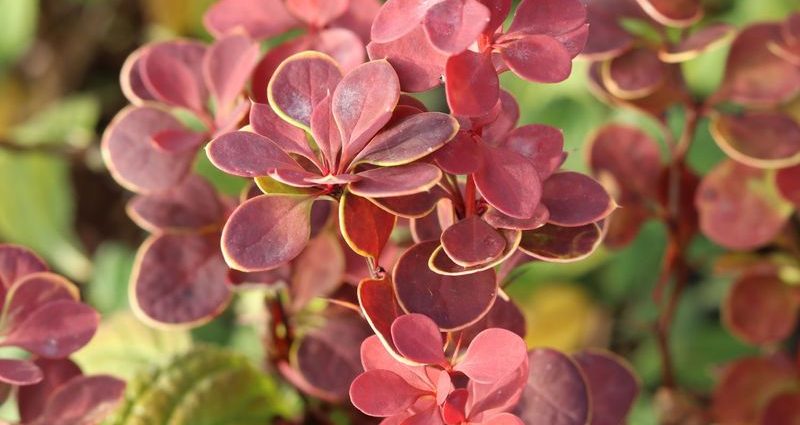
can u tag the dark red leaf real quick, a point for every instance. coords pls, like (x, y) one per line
(401, 180)
(364, 226)
(453, 302)
(472, 241)
(411, 206)
(761, 309)
(759, 139)
(462, 155)
(556, 393)
(32, 399)
(550, 17)
(783, 409)
(410, 140)
(635, 74)
(472, 84)
(574, 199)
(380, 308)
(83, 400)
(538, 58)
(542, 144)
(502, 169)
(317, 271)
(501, 221)
(613, 386)
(561, 244)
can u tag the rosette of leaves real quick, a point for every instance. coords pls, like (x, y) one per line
(43, 315)
(479, 223)
(147, 148)
(325, 136)
(338, 28)
(205, 386)
(635, 63)
(493, 381)
(464, 41)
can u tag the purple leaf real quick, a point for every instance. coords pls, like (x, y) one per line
(191, 205)
(411, 139)
(561, 244)
(396, 181)
(266, 231)
(549, 17)
(179, 279)
(613, 386)
(17, 262)
(33, 291)
(556, 393)
(472, 242)
(317, 271)
(56, 329)
(542, 144)
(288, 137)
(32, 399)
(133, 160)
(417, 338)
(246, 154)
(83, 400)
(171, 72)
(453, 302)
(19, 372)
(575, 199)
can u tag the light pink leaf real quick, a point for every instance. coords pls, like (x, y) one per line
(382, 393)
(300, 83)
(227, 66)
(247, 154)
(260, 20)
(171, 72)
(317, 13)
(481, 363)
(417, 338)
(396, 18)
(418, 64)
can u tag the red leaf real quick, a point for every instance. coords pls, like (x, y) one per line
(759, 139)
(455, 406)
(401, 180)
(417, 338)
(462, 155)
(505, 120)
(453, 25)
(788, 182)
(133, 160)
(300, 83)
(442, 298)
(419, 65)
(56, 329)
(247, 154)
(380, 308)
(17, 262)
(499, 220)
(441, 263)
(19, 372)
(574, 199)
(341, 44)
(33, 291)
(783, 409)
(700, 41)
(556, 393)
(472, 242)
(504, 314)
(761, 309)
(538, 58)
(411, 206)
(613, 386)
(411, 139)
(472, 84)
(359, 109)
(607, 38)
(365, 226)
(635, 74)
(542, 144)
(737, 207)
(32, 399)
(631, 157)
(259, 20)
(397, 18)
(382, 393)
(493, 355)
(503, 169)
(266, 231)
(83, 400)
(191, 205)
(178, 141)
(227, 67)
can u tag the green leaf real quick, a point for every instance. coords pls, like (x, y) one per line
(206, 386)
(37, 210)
(108, 289)
(70, 121)
(17, 27)
(123, 346)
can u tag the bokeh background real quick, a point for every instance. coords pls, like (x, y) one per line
(59, 68)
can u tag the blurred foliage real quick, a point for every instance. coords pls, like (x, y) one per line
(59, 64)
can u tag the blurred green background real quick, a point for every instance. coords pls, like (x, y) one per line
(59, 66)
